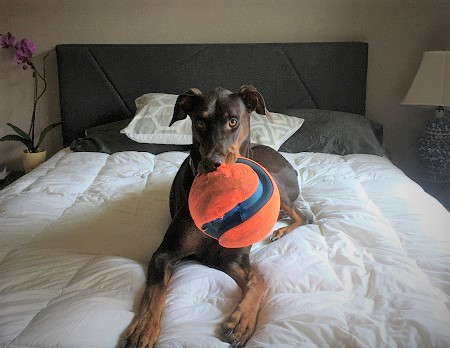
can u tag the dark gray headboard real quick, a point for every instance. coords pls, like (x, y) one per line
(99, 83)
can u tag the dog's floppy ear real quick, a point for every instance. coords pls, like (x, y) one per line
(183, 105)
(254, 101)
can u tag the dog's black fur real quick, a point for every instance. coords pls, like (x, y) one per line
(221, 128)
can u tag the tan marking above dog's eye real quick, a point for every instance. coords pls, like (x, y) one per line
(232, 122)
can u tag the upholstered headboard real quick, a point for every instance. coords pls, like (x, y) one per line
(99, 83)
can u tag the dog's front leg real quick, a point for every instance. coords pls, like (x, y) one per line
(241, 324)
(181, 239)
(144, 329)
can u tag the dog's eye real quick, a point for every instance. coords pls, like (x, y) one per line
(232, 122)
(200, 124)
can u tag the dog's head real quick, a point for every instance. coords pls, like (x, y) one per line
(220, 122)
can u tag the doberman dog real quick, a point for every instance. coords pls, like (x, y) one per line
(221, 133)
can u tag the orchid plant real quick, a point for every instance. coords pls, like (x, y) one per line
(24, 50)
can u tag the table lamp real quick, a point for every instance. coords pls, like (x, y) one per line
(431, 89)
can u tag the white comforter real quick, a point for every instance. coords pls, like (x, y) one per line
(372, 270)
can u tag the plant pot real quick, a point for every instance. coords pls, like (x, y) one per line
(32, 159)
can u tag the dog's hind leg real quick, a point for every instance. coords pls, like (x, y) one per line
(241, 324)
(297, 219)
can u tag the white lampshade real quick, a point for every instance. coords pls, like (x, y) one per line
(431, 86)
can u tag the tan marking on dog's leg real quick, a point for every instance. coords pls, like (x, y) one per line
(241, 324)
(144, 330)
(145, 327)
(296, 218)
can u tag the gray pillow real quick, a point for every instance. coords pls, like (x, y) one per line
(108, 139)
(334, 132)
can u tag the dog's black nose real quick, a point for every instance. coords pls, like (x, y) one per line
(209, 165)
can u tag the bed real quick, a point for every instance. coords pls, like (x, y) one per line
(371, 269)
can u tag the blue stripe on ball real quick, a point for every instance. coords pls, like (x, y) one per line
(244, 210)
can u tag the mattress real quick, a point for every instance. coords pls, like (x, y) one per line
(372, 269)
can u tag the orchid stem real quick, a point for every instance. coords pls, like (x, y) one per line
(36, 97)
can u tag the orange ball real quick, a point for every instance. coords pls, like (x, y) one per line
(238, 204)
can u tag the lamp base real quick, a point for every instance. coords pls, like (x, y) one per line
(433, 149)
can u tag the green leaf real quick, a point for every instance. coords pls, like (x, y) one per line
(44, 133)
(19, 131)
(13, 137)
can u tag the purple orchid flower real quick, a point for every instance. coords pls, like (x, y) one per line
(7, 40)
(22, 56)
(24, 51)
(26, 44)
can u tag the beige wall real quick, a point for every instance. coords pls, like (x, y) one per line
(398, 32)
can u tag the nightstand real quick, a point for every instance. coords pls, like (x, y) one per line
(439, 190)
(10, 178)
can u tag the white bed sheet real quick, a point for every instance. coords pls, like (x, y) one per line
(371, 270)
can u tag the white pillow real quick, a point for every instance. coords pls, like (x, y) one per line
(263, 132)
(155, 110)
(151, 123)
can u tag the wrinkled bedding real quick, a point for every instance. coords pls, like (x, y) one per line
(372, 269)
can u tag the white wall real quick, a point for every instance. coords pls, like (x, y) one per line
(398, 32)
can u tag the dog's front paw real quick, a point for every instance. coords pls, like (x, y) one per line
(142, 333)
(239, 327)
